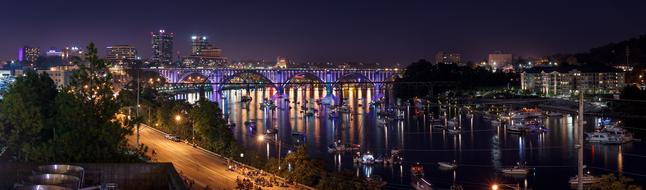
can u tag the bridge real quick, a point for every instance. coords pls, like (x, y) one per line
(219, 78)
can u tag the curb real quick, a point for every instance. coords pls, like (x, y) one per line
(224, 159)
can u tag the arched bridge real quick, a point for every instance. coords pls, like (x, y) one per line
(278, 78)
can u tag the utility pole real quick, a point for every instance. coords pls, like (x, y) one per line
(137, 107)
(580, 142)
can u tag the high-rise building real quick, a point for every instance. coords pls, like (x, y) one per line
(121, 54)
(70, 52)
(203, 53)
(162, 45)
(442, 57)
(28, 54)
(498, 61)
(198, 43)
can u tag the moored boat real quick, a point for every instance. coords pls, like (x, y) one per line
(448, 165)
(518, 169)
(586, 179)
(417, 178)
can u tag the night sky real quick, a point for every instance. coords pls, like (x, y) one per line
(337, 31)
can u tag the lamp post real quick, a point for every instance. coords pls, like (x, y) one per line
(178, 118)
(278, 141)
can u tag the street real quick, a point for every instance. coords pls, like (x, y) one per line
(200, 166)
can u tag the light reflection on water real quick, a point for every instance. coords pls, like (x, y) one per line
(483, 151)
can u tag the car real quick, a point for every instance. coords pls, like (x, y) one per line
(172, 137)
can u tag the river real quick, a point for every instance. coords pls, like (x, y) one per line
(480, 150)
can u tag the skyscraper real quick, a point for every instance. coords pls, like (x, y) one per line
(198, 43)
(121, 54)
(72, 52)
(162, 45)
(28, 54)
(203, 54)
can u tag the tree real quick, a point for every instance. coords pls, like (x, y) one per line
(211, 129)
(25, 115)
(84, 117)
(344, 180)
(418, 79)
(611, 182)
(419, 71)
(304, 170)
(633, 92)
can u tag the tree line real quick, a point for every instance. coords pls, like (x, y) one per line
(463, 79)
(39, 123)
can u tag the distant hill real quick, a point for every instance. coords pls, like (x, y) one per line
(610, 54)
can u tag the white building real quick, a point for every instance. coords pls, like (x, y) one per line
(559, 81)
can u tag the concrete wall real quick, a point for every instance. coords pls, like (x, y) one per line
(125, 175)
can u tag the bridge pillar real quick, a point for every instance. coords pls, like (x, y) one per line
(377, 95)
(280, 90)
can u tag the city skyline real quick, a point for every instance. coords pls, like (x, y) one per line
(328, 32)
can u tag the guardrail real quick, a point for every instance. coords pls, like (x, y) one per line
(3, 150)
(232, 160)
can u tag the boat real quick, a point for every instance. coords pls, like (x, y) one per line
(367, 158)
(396, 157)
(597, 137)
(271, 131)
(379, 159)
(605, 137)
(516, 128)
(417, 178)
(338, 147)
(453, 130)
(587, 179)
(518, 169)
(447, 165)
(417, 169)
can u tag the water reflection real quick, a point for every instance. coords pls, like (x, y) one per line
(483, 151)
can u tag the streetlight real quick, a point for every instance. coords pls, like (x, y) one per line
(262, 138)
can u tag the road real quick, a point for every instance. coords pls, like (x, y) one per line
(200, 166)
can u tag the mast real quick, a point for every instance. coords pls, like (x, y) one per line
(580, 142)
